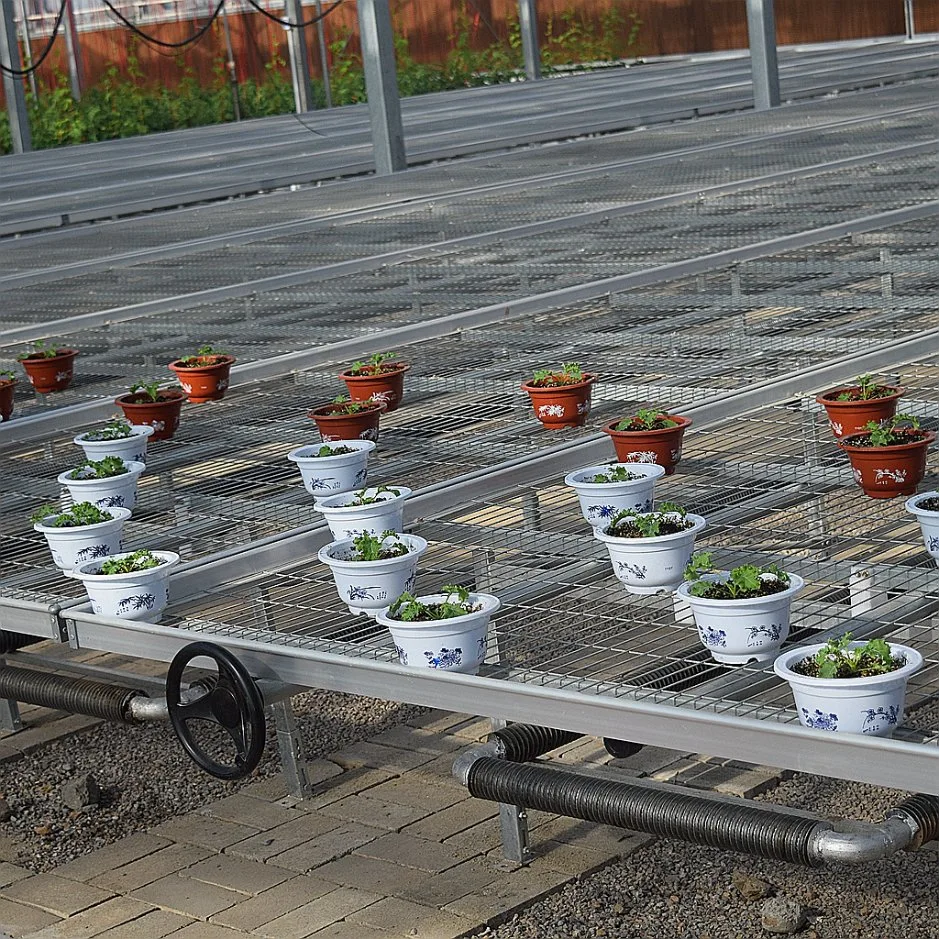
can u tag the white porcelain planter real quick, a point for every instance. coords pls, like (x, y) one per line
(131, 449)
(116, 492)
(347, 521)
(651, 565)
(740, 631)
(599, 502)
(872, 705)
(928, 522)
(73, 546)
(457, 644)
(330, 475)
(142, 595)
(369, 586)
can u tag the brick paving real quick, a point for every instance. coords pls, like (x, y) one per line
(389, 845)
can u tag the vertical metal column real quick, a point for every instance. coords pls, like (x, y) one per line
(299, 63)
(324, 53)
(909, 17)
(290, 745)
(513, 823)
(28, 48)
(381, 86)
(12, 86)
(761, 23)
(230, 64)
(73, 52)
(528, 23)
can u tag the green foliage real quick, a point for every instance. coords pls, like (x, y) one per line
(646, 419)
(892, 431)
(138, 561)
(6, 375)
(866, 389)
(327, 450)
(381, 494)
(199, 359)
(150, 391)
(615, 474)
(107, 468)
(375, 364)
(570, 373)
(837, 660)
(82, 513)
(743, 583)
(369, 547)
(40, 350)
(668, 520)
(117, 429)
(456, 602)
(342, 405)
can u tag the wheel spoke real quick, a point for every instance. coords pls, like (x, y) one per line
(198, 710)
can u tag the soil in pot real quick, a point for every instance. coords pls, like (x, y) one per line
(649, 437)
(7, 387)
(561, 398)
(160, 409)
(378, 379)
(888, 460)
(851, 408)
(204, 376)
(348, 420)
(49, 369)
(926, 509)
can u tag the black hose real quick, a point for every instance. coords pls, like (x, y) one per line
(10, 642)
(662, 812)
(924, 810)
(75, 695)
(524, 742)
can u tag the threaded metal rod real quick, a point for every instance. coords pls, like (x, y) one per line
(62, 693)
(666, 813)
(524, 742)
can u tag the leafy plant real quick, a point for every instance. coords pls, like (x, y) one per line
(456, 602)
(117, 429)
(41, 350)
(890, 432)
(369, 547)
(668, 520)
(381, 494)
(107, 468)
(342, 405)
(82, 513)
(742, 583)
(327, 450)
(645, 419)
(376, 364)
(837, 660)
(202, 354)
(570, 373)
(615, 474)
(866, 389)
(150, 391)
(7, 376)
(138, 561)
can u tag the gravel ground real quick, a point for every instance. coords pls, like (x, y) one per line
(146, 777)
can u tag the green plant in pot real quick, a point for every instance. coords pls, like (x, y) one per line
(561, 396)
(649, 436)
(379, 378)
(150, 404)
(345, 419)
(850, 408)
(48, 366)
(204, 375)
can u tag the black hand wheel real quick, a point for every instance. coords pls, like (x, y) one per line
(233, 702)
(620, 749)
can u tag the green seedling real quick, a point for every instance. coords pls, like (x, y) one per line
(455, 603)
(668, 520)
(892, 431)
(41, 350)
(369, 547)
(107, 468)
(865, 390)
(82, 513)
(743, 583)
(138, 561)
(646, 419)
(837, 660)
(570, 373)
(381, 494)
(376, 364)
(615, 474)
(117, 429)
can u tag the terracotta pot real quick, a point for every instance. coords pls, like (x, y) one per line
(650, 446)
(851, 417)
(362, 425)
(51, 373)
(387, 386)
(566, 406)
(886, 472)
(204, 382)
(162, 415)
(7, 387)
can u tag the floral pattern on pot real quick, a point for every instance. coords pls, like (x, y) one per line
(818, 720)
(713, 637)
(445, 658)
(561, 406)
(885, 472)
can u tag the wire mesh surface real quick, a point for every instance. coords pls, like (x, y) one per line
(775, 489)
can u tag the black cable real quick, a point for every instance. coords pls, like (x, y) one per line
(22, 73)
(304, 24)
(195, 37)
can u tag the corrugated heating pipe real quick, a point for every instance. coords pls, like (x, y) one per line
(666, 811)
(10, 642)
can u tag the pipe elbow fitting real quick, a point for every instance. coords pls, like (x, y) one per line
(465, 761)
(859, 842)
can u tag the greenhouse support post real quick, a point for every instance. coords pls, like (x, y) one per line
(909, 17)
(13, 87)
(761, 24)
(528, 25)
(299, 63)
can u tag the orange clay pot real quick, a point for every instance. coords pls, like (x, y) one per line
(852, 417)
(650, 446)
(387, 386)
(204, 382)
(562, 406)
(50, 373)
(886, 472)
(162, 415)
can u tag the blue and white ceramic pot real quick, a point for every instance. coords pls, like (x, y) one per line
(599, 502)
(331, 475)
(132, 448)
(79, 543)
(141, 595)
(113, 492)
(928, 521)
(347, 521)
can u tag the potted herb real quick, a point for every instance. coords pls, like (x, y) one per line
(108, 483)
(82, 533)
(561, 397)
(441, 630)
(132, 585)
(649, 550)
(852, 407)
(334, 467)
(205, 375)
(742, 614)
(7, 387)
(926, 509)
(378, 379)
(118, 438)
(850, 687)
(371, 570)
(343, 419)
(150, 404)
(649, 436)
(49, 367)
(606, 489)
(376, 509)
(889, 458)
